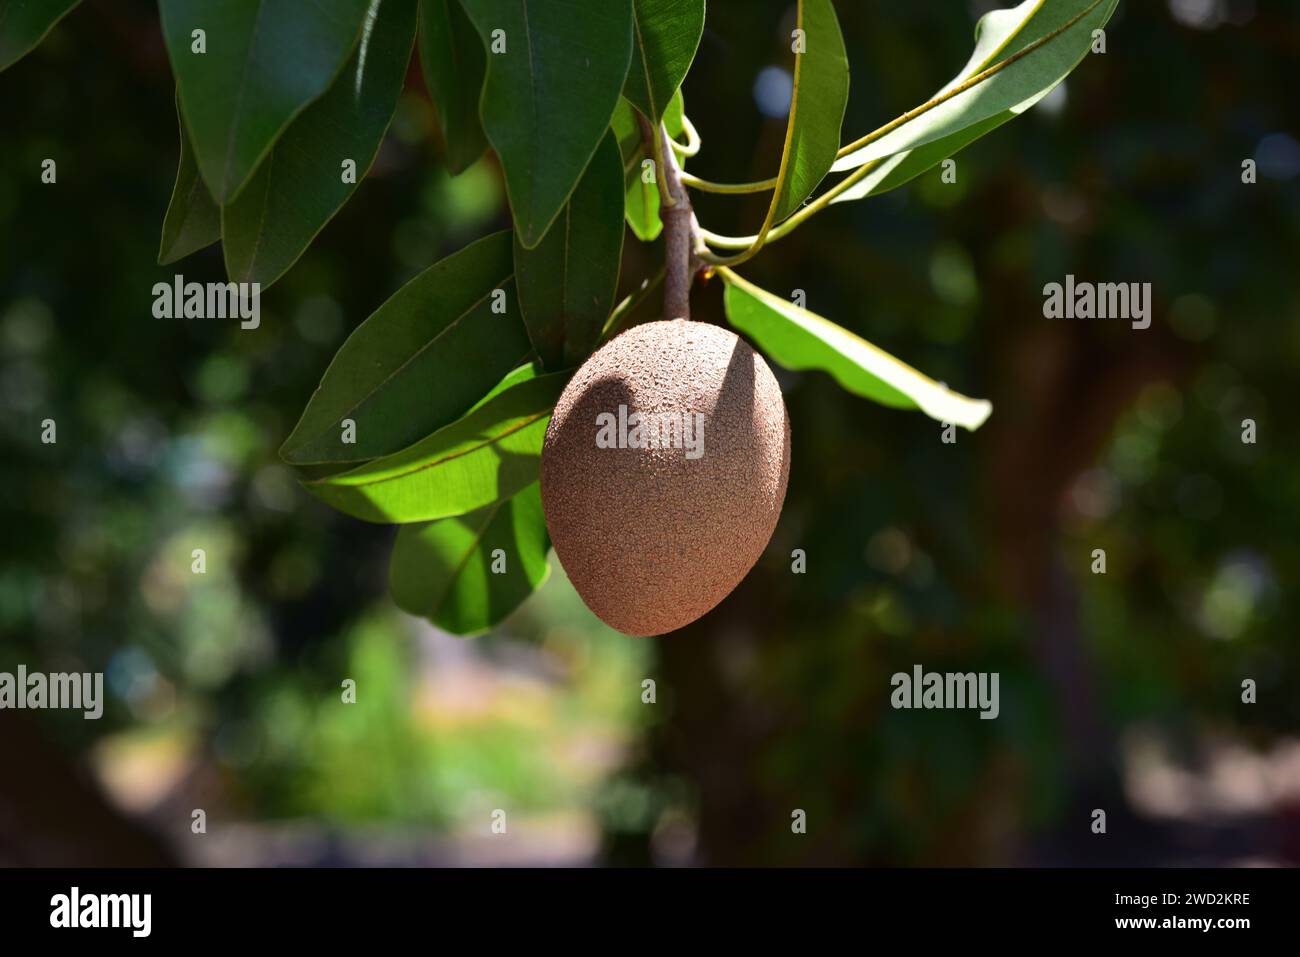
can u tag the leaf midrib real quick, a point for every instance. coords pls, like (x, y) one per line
(490, 440)
(479, 535)
(645, 63)
(783, 174)
(535, 125)
(250, 267)
(992, 57)
(239, 100)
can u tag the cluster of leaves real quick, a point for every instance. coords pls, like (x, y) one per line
(432, 414)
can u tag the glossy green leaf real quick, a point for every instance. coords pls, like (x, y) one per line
(489, 455)
(799, 339)
(193, 220)
(24, 24)
(549, 96)
(641, 199)
(821, 92)
(511, 379)
(666, 34)
(266, 60)
(906, 166)
(423, 358)
(301, 184)
(454, 65)
(1029, 48)
(567, 281)
(466, 574)
(641, 207)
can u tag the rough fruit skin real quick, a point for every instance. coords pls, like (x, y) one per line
(651, 539)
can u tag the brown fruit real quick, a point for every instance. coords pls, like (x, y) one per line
(653, 536)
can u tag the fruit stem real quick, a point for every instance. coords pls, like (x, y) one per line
(680, 226)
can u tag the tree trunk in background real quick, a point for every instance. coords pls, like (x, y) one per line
(53, 815)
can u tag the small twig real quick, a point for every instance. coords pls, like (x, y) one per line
(680, 236)
(692, 145)
(708, 186)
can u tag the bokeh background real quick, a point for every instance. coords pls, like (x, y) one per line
(1119, 691)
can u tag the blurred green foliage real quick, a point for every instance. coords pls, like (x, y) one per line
(968, 557)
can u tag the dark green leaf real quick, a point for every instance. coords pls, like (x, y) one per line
(666, 34)
(489, 455)
(265, 61)
(567, 282)
(821, 91)
(799, 339)
(300, 185)
(193, 220)
(423, 358)
(452, 573)
(24, 23)
(454, 65)
(1033, 47)
(549, 97)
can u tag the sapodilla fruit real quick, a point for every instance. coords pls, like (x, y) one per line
(654, 526)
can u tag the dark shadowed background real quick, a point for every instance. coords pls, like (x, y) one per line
(1120, 691)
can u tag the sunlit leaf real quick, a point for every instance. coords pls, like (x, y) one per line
(24, 23)
(302, 183)
(1030, 48)
(489, 455)
(821, 91)
(904, 167)
(523, 373)
(666, 34)
(423, 358)
(799, 339)
(567, 282)
(265, 60)
(454, 65)
(549, 96)
(193, 220)
(466, 574)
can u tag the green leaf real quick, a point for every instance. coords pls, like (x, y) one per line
(904, 167)
(641, 200)
(641, 207)
(1030, 48)
(443, 571)
(821, 91)
(489, 455)
(300, 185)
(549, 97)
(799, 339)
(24, 24)
(454, 65)
(423, 358)
(666, 34)
(567, 282)
(265, 61)
(530, 370)
(193, 220)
